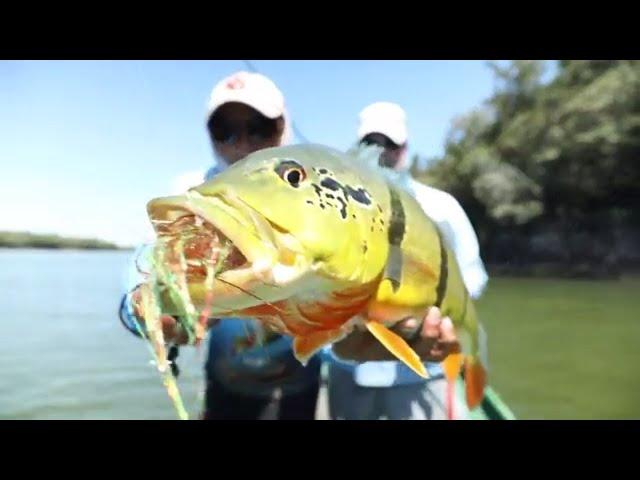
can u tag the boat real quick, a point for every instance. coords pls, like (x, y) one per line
(492, 406)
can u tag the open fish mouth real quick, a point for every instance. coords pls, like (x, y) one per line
(255, 248)
(202, 244)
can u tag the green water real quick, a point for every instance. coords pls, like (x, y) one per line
(565, 349)
(65, 354)
(559, 349)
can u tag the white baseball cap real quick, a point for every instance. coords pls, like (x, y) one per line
(252, 89)
(386, 118)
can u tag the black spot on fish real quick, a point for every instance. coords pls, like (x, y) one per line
(364, 248)
(323, 171)
(381, 221)
(343, 209)
(441, 289)
(322, 206)
(372, 228)
(317, 189)
(353, 215)
(360, 195)
(331, 184)
(395, 235)
(329, 195)
(397, 221)
(309, 202)
(379, 208)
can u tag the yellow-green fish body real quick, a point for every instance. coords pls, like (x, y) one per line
(330, 242)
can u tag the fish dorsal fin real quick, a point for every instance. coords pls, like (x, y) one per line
(398, 347)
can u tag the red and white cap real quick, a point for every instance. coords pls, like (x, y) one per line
(252, 89)
(386, 118)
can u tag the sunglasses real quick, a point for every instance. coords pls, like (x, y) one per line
(257, 129)
(380, 140)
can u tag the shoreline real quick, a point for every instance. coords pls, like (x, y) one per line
(50, 241)
(7, 248)
(573, 271)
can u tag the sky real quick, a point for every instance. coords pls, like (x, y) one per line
(84, 145)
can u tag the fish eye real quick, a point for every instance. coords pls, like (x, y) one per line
(291, 172)
(293, 176)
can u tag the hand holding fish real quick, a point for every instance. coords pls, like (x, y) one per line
(433, 339)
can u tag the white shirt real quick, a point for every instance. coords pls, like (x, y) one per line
(458, 233)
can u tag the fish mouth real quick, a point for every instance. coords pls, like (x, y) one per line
(257, 249)
(202, 242)
(206, 225)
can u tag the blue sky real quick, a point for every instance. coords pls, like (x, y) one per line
(85, 144)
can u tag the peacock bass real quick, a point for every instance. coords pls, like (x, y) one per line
(318, 242)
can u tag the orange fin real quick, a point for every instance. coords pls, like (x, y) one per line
(396, 345)
(452, 365)
(305, 346)
(475, 379)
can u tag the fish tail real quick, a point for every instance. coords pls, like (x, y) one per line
(474, 364)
